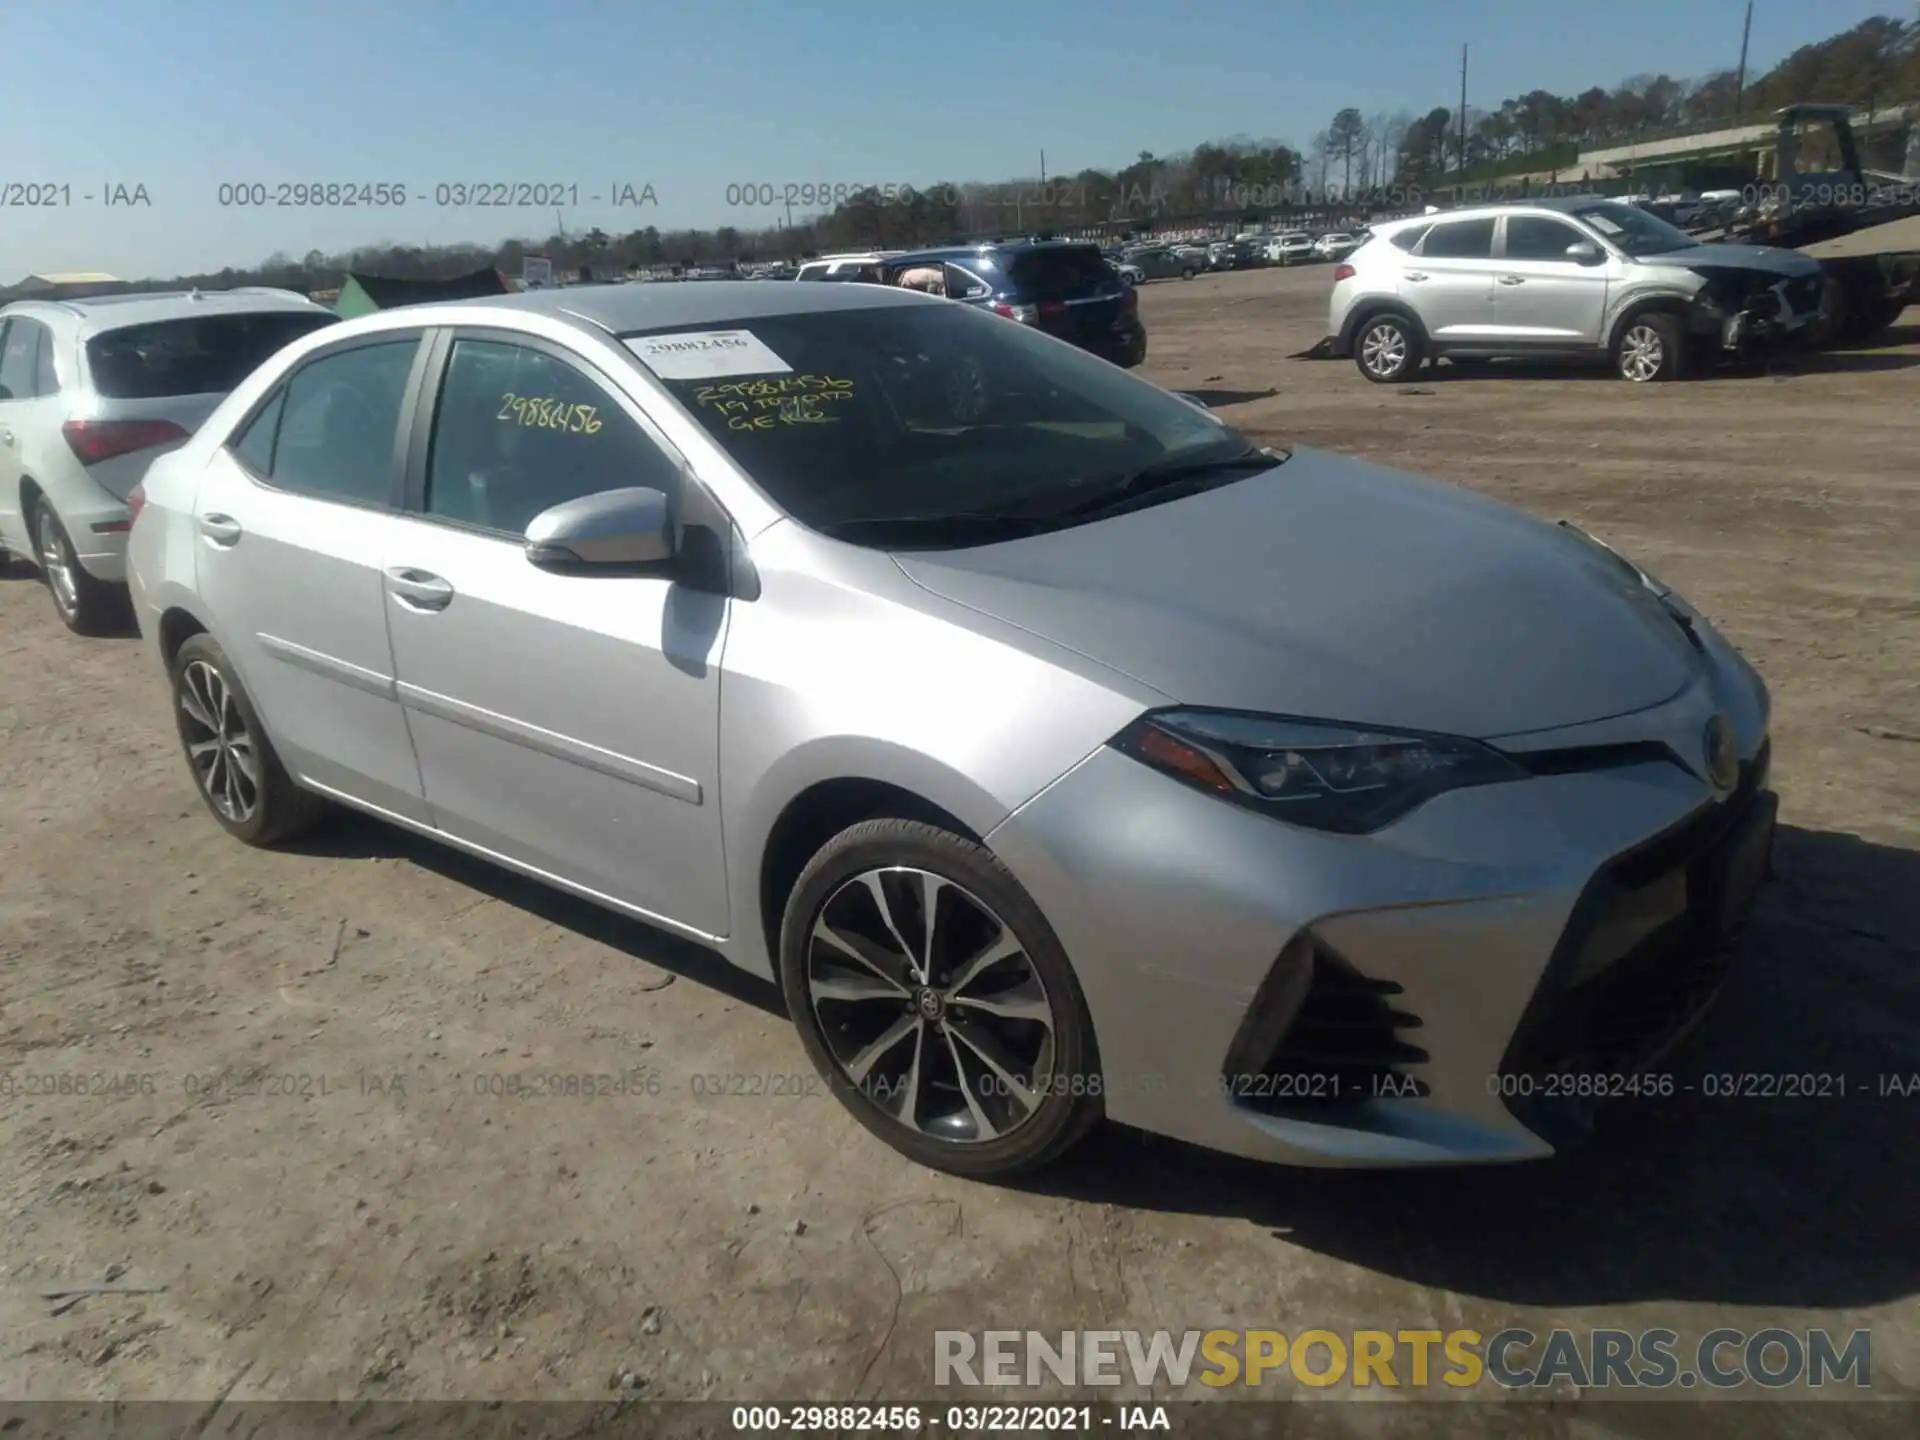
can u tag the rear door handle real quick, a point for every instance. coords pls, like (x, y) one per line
(1416, 275)
(1512, 280)
(222, 530)
(418, 590)
(6, 437)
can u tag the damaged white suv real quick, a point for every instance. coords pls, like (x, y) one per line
(1564, 277)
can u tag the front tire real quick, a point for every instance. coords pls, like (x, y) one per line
(1387, 349)
(936, 1002)
(234, 765)
(85, 605)
(1650, 348)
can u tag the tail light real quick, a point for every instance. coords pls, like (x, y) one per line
(1343, 272)
(1130, 301)
(136, 502)
(95, 440)
(1055, 308)
(1025, 314)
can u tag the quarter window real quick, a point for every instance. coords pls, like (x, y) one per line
(20, 359)
(519, 431)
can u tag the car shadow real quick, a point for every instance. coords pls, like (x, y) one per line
(350, 835)
(1804, 1202)
(1220, 399)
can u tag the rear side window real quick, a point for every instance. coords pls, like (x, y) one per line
(1460, 240)
(1411, 236)
(196, 355)
(20, 359)
(1059, 271)
(335, 423)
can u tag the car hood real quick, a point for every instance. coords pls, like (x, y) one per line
(1783, 263)
(1334, 589)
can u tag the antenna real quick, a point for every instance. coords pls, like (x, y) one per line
(1740, 78)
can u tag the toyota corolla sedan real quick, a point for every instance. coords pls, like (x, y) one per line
(1059, 751)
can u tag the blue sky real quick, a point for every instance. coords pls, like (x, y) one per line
(181, 96)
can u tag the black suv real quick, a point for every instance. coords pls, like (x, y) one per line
(1066, 289)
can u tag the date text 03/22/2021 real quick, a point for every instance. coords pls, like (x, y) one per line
(443, 195)
(953, 1419)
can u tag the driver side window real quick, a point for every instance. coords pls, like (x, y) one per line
(518, 431)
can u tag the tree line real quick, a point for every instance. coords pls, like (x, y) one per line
(1358, 156)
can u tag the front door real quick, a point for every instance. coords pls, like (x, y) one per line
(293, 516)
(1541, 295)
(569, 723)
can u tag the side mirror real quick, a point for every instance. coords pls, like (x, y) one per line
(1585, 252)
(631, 529)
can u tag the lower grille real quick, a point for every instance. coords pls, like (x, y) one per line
(1648, 947)
(1320, 1035)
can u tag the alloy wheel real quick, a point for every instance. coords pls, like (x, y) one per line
(56, 559)
(1642, 353)
(220, 747)
(930, 1005)
(1383, 350)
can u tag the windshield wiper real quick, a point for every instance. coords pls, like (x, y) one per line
(979, 526)
(1174, 470)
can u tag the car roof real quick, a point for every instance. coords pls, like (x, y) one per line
(989, 247)
(629, 309)
(112, 312)
(1562, 204)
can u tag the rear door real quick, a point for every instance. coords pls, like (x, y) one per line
(1079, 296)
(1450, 282)
(293, 517)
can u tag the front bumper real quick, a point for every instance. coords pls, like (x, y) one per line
(1780, 315)
(1404, 998)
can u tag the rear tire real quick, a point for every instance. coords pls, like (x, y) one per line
(1650, 348)
(900, 993)
(85, 605)
(235, 767)
(1187, 274)
(1387, 349)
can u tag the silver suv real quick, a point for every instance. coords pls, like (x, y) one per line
(91, 392)
(1574, 277)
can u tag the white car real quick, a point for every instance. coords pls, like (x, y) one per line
(858, 267)
(1336, 246)
(91, 393)
(1291, 248)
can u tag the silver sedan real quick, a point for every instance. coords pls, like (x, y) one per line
(1059, 752)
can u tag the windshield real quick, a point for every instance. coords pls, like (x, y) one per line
(1634, 230)
(929, 412)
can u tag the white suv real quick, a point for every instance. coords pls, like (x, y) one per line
(91, 392)
(863, 266)
(1577, 277)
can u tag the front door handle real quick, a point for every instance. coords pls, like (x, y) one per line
(6, 437)
(1512, 280)
(222, 530)
(418, 590)
(1416, 275)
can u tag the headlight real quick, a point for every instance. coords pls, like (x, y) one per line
(1343, 778)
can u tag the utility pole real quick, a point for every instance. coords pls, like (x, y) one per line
(1740, 77)
(1043, 167)
(1462, 167)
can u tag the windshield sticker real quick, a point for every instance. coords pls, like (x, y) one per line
(548, 413)
(707, 355)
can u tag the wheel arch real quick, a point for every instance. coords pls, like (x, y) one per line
(1678, 306)
(814, 811)
(1368, 310)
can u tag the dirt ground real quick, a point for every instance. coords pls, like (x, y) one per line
(349, 1212)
